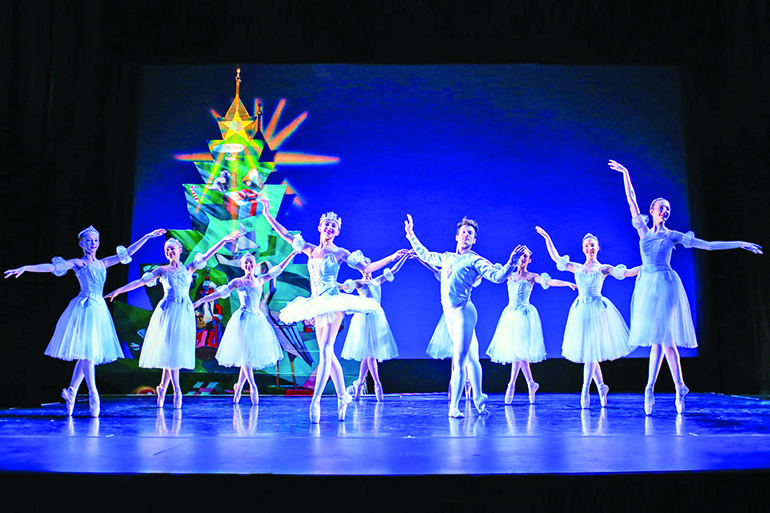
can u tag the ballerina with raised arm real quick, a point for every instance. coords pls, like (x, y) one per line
(249, 341)
(85, 331)
(518, 338)
(660, 311)
(595, 330)
(369, 338)
(327, 305)
(169, 342)
(459, 271)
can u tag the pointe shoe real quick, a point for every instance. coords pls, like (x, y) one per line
(94, 404)
(532, 386)
(468, 390)
(315, 412)
(161, 391)
(603, 391)
(455, 413)
(481, 404)
(378, 391)
(69, 396)
(509, 393)
(342, 404)
(237, 391)
(585, 398)
(649, 401)
(681, 391)
(177, 399)
(356, 389)
(254, 394)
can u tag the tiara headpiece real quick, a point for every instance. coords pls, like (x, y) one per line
(331, 216)
(86, 230)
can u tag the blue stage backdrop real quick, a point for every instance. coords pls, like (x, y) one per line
(511, 146)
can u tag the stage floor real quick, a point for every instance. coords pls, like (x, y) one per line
(404, 435)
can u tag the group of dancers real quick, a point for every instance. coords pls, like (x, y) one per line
(595, 331)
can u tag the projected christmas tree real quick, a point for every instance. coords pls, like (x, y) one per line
(235, 172)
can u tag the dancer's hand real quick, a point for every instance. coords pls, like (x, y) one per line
(399, 254)
(572, 286)
(748, 246)
(15, 272)
(516, 254)
(112, 295)
(617, 166)
(409, 226)
(265, 203)
(233, 236)
(156, 233)
(542, 232)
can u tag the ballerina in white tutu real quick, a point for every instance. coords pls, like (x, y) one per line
(595, 330)
(459, 271)
(369, 338)
(249, 341)
(169, 342)
(327, 306)
(660, 311)
(85, 331)
(518, 339)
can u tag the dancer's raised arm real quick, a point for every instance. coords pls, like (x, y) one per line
(200, 259)
(428, 257)
(562, 262)
(307, 248)
(124, 254)
(387, 275)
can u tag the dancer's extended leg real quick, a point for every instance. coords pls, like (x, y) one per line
(656, 359)
(675, 365)
(515, 367)
(374, 370)
(174, 376)
(248, 375)
(460, 323)
(328, 367)
(89, 373)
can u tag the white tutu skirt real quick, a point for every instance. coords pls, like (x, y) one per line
(250, 341)
(369, 336)
(660, 312)
(519, 336)
(441, 345)
(595, 332)
(170, 339)
(85, 331)
(303, 308)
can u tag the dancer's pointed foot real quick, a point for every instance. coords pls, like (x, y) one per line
(161, 391)
(238, 390)
(254, 394)
(481, 404)
(649, 400)
(315, 412)
(603, 391)
(342, 404)
(509, 393)
(532, 386)
(455, 413)
(94, 404)
(177, 399)
(69, 395)
(585, 398)
(378, 391)
(681, 391)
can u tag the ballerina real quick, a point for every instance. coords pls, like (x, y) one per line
(518, 338)
(660, 311)
(85, 331)
(369, 338)
(249, 341)
(169, 342)
(327, 305)
(595, 330)
(459, 271)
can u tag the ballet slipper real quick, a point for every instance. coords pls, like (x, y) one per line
(342, 404)
(237, 390)
(585, 398)
(254, 394)
(509, 393)
(315, 412)
(455, 413)
(161, 391)
(177, 399)
(93, 404)
(69, 395)
(481, 404)
(355, 389)
(532, 386)
(378, 390)
(681, 391)
(603, 391)
(649, 401)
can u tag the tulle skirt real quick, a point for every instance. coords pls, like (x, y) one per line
(595, 332)
(519, 336)
(85, 331)
(249, 340)
(323, 307)
(441, 345)
(660, 312)
(169, 342)
(369, 336)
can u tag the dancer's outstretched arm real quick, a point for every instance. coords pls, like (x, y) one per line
(147, 278)
(201, 259)
(133, 248)
(60, 268)
(279, 228)
(388, 274)
(560, 260)
(276, 270)
(429, 257)
(544, 278)
(718, 244)
(223, 291)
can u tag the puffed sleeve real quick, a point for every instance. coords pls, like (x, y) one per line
(123, 255)
(619, 272)
(355, 258)
(545, 280)
(223, 290)
(687, 239)
(350, 286)
(561, 262)
(199, 262)
(639, 221)
(298, 243)
(495, 273)
(274, 271)
(149, 279)
(60, 266)
(388, 274)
